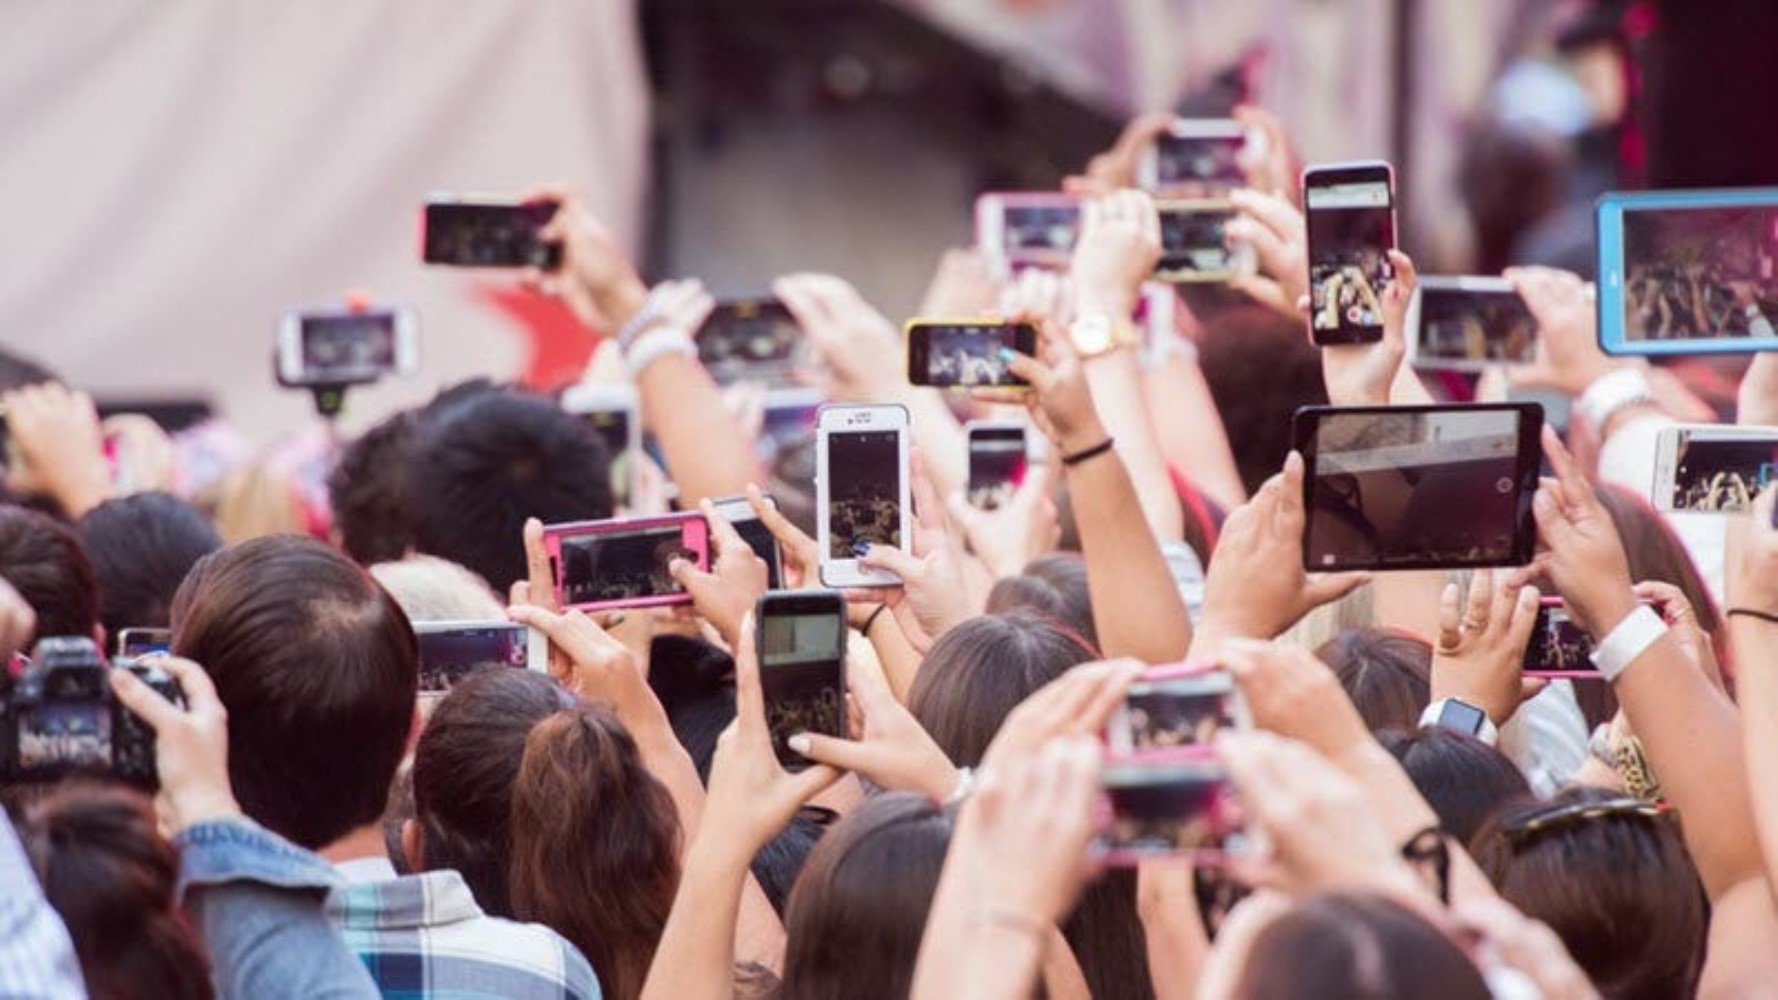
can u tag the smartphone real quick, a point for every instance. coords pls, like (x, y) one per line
(611, 411)
(966, 353)
(1019, 229)
(459, 231)
(998, 460)
(1172, 803)
(751, 340)
(452, 650)
(335, 347)
(861, 490)
(1688, 272)
(1197, 157)
(1172, 707)
(1351, 219)
(739, 513)
(1559, 647)
(1194, 244)
(1468, 324)
(133, 643)
(1419, 487)
(801, 640)
(622, 563)
(1713, 469)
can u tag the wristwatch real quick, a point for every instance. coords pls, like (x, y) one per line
(1098, 334)
(1459, 715)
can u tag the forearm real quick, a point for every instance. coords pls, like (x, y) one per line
(1756, 642)
(1190, 431)
(707, 453)
(1136, 605)
(1758, 400)
(1116, 383)
(898, 657)
(943, 445)
(1171, 928)
(1407, 389)
(963, 957)
(696, 956)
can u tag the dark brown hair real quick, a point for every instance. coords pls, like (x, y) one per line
(44, 561)
(1349, 945)
(1384, 673)
(1619, 890)
(111, 877)
(1463, 779)
(856, 915)
(318, 669)
(464, 770)
(1054, 585)
(595, 844)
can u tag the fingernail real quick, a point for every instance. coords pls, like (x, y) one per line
(1006, 354)
(799, 743)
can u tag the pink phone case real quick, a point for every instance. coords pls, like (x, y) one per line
(1591, 673)
(694, 536)
(1224, 815)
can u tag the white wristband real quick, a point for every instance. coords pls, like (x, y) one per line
(655, 344)
(1611, 392)
(1628, 641)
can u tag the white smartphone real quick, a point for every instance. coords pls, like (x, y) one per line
(1197, 157)
(1713, 469)
(1019, 229)
(452, 650)
(343, 346)
(861, 490)
(1469, 323)
(611, 410)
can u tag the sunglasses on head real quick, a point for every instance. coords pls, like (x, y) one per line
(1568, 814)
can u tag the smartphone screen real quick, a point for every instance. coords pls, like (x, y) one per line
(1419, 487)
(1200, 164)
(1351, 218)
(1469, 326)
(1165, 806)
(998, 460)
(134, 643)
(1168, 713)
(1700, 273)
(450, 653)
(1558, 646)
(1721, 471)
(612, 566)
(1194, 244)
(802, 656)
(1040, 232)
(966, 354)
(751, 339)
(484, 234)
(345, 348)
(864, 494)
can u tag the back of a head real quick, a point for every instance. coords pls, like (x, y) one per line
(1260, 369)
(1463, 779)
(367, 490)
(44, 561)
(319, 671)
(979, 671)
(431, 589)
(485, 464)
(1054, 585)
(1614, 883)
(1386, 674)
(1348, 946)
(856, 915)
(464, 768)
(141, 548)
(111, 877)
(595, 844)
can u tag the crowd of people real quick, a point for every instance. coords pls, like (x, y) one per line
(622, 826)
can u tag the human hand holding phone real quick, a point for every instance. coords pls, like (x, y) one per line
(1008, 537)
(1361, 374)
(934, 594)
(1290, 692)
(190, 744)
(886, 744)
(596, 280)
(1682, 624)
(1279, 236)
(1120, 243)
(961, 285)
(1060, 400)
(800, 554)
(57, 438)
(1753, 574)
(1078, 703)
(1482, 635)
(1115, 169)
(1568, 357)
(736, 578)
(577, 658)
(1270, 164)
(1585, 557)
(860, 353)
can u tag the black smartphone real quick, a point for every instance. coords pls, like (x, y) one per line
(754, 532)
(752, 339)
(966, 353)
(801, 640)
(1351, 218)
(461, 232)
(1559, 647)
(1419, 487)
(998, 459)
(1469, 324)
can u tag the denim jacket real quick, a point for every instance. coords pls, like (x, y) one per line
(258, 902)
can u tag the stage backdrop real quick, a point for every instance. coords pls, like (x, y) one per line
(174, 175)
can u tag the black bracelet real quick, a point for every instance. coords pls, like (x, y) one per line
(1085, 453)
(1764, 616)
(871, 619)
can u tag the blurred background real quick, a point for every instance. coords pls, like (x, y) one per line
(175, 176)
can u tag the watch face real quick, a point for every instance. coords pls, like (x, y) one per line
(1091, 335)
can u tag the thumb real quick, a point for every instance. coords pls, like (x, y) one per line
(1323, 588)
(685, 573)
(847, 755)
(894, 560)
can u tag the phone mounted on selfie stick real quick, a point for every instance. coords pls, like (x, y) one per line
(329, 394)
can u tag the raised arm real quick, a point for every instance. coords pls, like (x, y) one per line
(1753, 634)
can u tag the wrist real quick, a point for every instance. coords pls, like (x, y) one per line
(203, 806)
(623, 300)
(1078, 439)
(1116, 303)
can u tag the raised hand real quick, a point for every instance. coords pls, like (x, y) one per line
(1482, 637)
(887, 745)
(1585, 557)
(800, 555)
(862, 357)
(736, 578)
(934, 593)
(1361, 374)
(1276, 230)
(1120, 243)
(59, 445)
(190, 744)
(1060, 400)
(596, 280)
(1268, 160)
(1078, 703)
(1020, 530)
(1568, 357)
(1291, 693)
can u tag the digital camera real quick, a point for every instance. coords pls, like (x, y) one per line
(59, 717)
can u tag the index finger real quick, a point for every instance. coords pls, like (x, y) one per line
(722, 530)
(541, 580)
(750, 701)
(1575, 488)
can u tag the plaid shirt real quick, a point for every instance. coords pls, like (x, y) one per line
(423, 937)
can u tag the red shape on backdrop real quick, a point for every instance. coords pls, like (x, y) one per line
(558, 346)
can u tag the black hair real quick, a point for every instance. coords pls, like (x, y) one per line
(44, 561)
(1463, 779)
(367, 491)
(141, 547)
